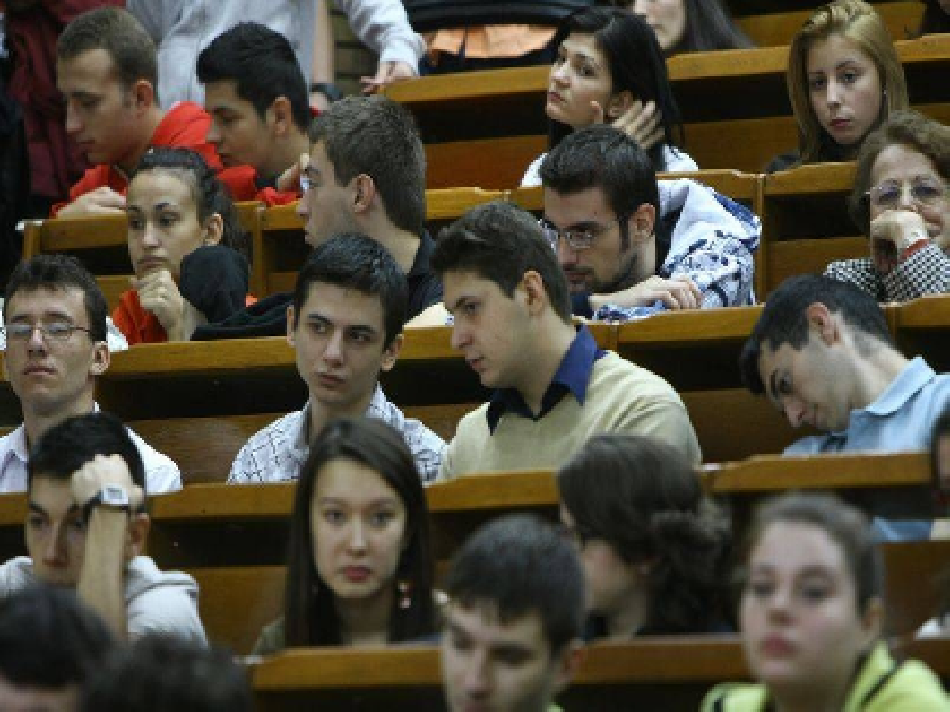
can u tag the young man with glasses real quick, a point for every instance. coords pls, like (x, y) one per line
(554, 386)
(55, 328)
(631, 246)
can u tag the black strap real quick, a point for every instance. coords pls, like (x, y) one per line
(879, 685)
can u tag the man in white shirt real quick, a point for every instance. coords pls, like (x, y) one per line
(55, 329)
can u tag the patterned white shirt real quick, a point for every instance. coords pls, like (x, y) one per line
(276, 453)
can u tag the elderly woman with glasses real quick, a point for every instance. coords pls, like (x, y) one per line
(902, 202)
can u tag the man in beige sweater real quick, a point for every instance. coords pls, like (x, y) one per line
(554, 386)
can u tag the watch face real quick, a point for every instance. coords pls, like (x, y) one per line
(114, 496)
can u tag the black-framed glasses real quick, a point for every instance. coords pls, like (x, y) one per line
(578, 239)
(51, 331)
(923, 191)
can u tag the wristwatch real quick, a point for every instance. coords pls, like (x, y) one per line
(111, 496)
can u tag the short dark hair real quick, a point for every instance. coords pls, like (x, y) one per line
(311, 617)
(115, 30)
(607, 158)
(784, 319)
(520, 564)
(165, 673)
(500, 242)
(209, 193)
(354, 261)
(262, 65)
(643, 498)
(49, 639)
(69, 445)
(845, 524)
(377, 137)
(60, 272)
(636, 64)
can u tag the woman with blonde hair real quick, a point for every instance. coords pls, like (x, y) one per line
(844, 78)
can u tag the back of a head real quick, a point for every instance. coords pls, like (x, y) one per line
(907, 128)
(262, 65)
(858, 22)
(635, 61)
(116, 31)
(499, 242)
(377, 137)
(784, 320)
(166, 674)
(603, 157)
(354, 261)
(66, 447)
(516, 565)
(58, 273)
(209, 193)
(49, 640)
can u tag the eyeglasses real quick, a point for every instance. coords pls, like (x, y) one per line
(52, 331)
(577, 239)
(923, 191)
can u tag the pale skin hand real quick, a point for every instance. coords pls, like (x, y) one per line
(159, 295)
(289, 180)
(891, 233)
(680, 292)
(640, 121)
(102, 580)
(102, 200)
(387, 73)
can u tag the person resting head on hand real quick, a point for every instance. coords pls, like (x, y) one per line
(811, 615)
(360, 567)
(610, 69)
(844, 78)
(901, 201)
(188, 249)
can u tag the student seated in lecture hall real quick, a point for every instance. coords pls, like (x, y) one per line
(345, 325)
(513, 621)
(901, 200)
(653, 547)
(187, 246)
(844, 78)
(689, 25)
(360, 566)
(811, 615)
(822, 353)
(631, 246)
(554, 386)
(610, 69)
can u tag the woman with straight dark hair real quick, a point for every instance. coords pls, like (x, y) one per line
(187, 246)
(811, 615)
(653, 547)
(610, 69)
(689, 25)
(360, 568)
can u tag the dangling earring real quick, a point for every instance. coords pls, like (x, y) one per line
(405, 594)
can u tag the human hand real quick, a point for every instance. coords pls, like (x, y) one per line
(159, 295)
(892, 232)
(102, 200)
(387, 73)
(679, 292)
(289, 180)
(642, 122)
(101, 471)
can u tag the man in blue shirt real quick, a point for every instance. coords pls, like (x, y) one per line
(822, 353)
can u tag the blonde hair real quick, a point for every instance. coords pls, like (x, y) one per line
(857, 21)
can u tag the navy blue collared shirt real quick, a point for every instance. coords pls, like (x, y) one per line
(572, 376)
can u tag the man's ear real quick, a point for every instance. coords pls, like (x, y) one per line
(143, 95)
(536, 297)
(570, 659)
(213, 230)
(364, 192)
(100, 358)
(391, 353)
(617, 105)
(640, 224)
(136, 535)
(281, 115)
(823, 322)
(291, 326)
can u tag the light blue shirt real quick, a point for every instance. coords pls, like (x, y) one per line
(901, 419)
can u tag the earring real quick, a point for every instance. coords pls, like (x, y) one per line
(405, 594)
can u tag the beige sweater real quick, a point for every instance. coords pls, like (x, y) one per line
(621, 398)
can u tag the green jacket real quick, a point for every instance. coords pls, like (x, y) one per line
(881, 686)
